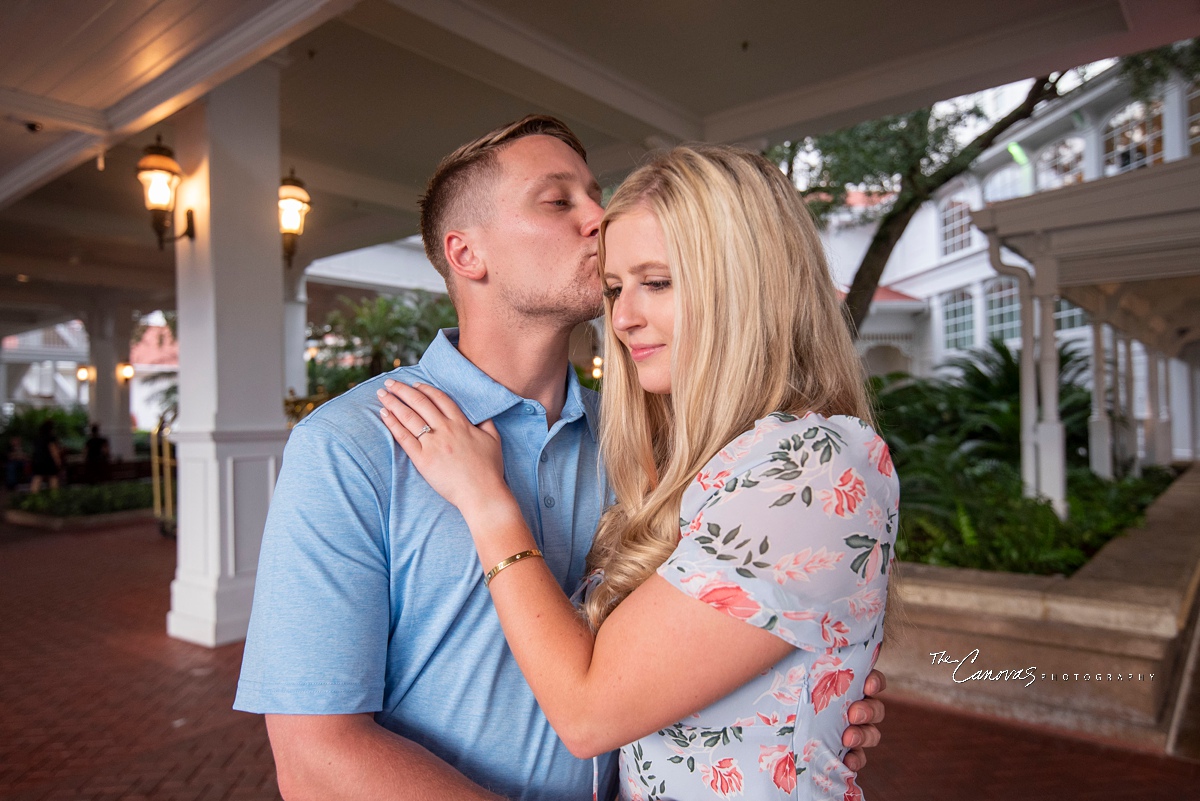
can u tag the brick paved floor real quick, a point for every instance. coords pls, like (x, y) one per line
(97, 703)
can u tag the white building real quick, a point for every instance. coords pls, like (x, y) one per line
(1095, 131)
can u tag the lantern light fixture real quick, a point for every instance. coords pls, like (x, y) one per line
(160, 175)
(294, 203)
(125, 371)
(84, 373)
(597, 367)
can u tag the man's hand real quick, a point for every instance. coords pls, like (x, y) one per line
(864, 714)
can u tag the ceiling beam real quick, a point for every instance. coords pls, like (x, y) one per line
(547, 57)
(85, 222)
(52, 113)
(83, 274)
(355, 186)
(186, 81)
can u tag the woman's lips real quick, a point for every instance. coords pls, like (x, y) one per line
(644, 352)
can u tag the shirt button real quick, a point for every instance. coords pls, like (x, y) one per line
(543, 458)
(528, 409)
(549, 501)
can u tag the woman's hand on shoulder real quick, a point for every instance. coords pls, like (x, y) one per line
(462, 461)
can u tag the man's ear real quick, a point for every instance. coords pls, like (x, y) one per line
(464, 260)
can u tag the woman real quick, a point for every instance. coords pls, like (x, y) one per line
(750, 489)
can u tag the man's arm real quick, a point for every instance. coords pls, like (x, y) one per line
(332, 757)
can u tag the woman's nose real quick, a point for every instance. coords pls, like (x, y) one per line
(626, 316)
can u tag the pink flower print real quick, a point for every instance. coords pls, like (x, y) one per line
(874, 562)
(770, 720)
(741, 446)
(844, 498)
(744, 722)
(875, 655)
(723, 778)
(875, 517)
(853, 792)
(834, 631)
(804, 614)
(865, 603)
(832, 681)
(880, 456)
(708, 481)
(798, 566)
(822, 781)
(810, 748)
(789, 688)
(694, 526)
(781, 762)
(729, 598)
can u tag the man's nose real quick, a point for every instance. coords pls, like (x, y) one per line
(593, 213)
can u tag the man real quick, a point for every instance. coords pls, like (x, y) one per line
(373, 646)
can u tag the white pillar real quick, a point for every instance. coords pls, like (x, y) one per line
(1194, 408)
(979, 314)
(1131, 426)
(1150, 427)
(1051, 437)
(109, 325)
(1099, 424)
(1166, 447)
(230, 432)
(1093, 149)
(1174, 119)
(295, 331)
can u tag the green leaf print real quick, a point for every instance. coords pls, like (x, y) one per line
(744, 573)
(806, 496)
(784, 500)
(860, 541)
(764, 546)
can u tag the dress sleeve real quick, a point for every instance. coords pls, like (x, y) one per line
(798, 541)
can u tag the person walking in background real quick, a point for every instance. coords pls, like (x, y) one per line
(95, 457)
(47, 458)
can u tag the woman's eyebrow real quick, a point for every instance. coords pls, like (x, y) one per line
(640, 269)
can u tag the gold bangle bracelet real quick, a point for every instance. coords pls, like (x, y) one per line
(512, 560)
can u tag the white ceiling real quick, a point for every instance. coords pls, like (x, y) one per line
(374, 92)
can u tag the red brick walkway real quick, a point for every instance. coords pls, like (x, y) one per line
(97, 703)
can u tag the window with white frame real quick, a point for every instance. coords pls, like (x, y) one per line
(1060, 164)
(958, 317)
(1006, 182)
(1193, 126)
(1003, 309)
(1067, 315)
(956, 226)
(1133, 137)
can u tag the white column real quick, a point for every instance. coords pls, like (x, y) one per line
(979, 309)
(1093, 149)
(1099, 424)
(109, 325)
(1052, 456)
(1150, 426)
(1166, 446)
(1194, 408)
(230, 432)
(1175, 114)
(295, 331)
(1131, 427)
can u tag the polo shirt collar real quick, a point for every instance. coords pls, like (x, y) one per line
(479, 396)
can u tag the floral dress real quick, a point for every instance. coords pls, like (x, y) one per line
(789, 528)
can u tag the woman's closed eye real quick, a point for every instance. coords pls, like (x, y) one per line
(612, 292)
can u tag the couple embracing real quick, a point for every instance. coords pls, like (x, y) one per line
(480, 580)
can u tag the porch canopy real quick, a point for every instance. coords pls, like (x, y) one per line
(1127, 250)
(362, 99)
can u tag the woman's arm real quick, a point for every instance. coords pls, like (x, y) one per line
(660, 656)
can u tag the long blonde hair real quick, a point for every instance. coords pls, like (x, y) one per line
(758, 329)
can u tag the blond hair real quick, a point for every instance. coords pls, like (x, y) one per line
(758, 329)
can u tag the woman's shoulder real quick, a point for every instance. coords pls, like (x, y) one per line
(780, 436)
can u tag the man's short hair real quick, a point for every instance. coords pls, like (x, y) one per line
(456, 193)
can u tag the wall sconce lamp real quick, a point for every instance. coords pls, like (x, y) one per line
(160, 175)
(597, 367)
(294, 204)
(86, 372)
(124, 372)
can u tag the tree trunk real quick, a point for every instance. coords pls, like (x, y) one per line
(870, 269)
(915, 190)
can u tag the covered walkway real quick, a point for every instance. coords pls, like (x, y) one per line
(99, 703)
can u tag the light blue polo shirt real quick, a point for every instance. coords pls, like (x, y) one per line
(369, 595)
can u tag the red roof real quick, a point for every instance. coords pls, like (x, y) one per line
(885, 294)
(156, 346)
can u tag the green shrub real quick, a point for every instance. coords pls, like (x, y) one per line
(70, 425)
(87, 500)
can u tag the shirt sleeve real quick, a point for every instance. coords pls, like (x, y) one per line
(800, 543)
(319, 625)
